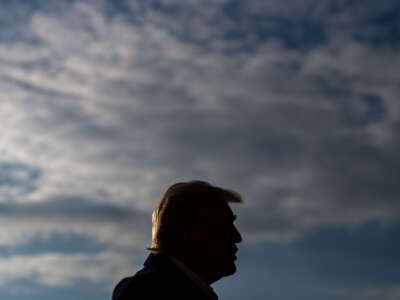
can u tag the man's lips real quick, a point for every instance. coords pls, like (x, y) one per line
(234, 253)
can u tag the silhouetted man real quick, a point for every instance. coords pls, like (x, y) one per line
(193, 245)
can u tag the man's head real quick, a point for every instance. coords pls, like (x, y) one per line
(194, 223)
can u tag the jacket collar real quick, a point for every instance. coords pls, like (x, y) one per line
(161, 261)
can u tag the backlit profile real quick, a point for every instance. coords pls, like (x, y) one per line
(193, 245)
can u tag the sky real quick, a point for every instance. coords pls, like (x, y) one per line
(294, 104)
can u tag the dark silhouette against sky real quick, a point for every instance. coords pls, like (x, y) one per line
(193, 245)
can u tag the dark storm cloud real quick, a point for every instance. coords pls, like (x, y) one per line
(73, 216)
(68, 207)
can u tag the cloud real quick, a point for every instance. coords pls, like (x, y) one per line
(114, 111)
(106, 224)
(44, 269)
(103, 112)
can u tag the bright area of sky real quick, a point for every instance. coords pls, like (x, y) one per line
(292, 103)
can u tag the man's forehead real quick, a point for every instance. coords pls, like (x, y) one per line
(228, 211)
(219, 209)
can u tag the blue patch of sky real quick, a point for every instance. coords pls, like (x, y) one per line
(11, 16)
(302, 31)
(248, 28)
(298, 31)
(265, 271)
(309, 29)
(337, 88)
(382, 29)
(132, 14)
(364, 255)
(15, 16)
(376, 109)
(333, 84)
(372, 110)
(318, 265)
(10, 175)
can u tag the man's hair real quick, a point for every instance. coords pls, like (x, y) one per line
(177, 209)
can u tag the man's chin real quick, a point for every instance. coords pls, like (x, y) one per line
(225, 271)
(230, 269)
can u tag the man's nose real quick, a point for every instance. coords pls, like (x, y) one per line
(236, 236)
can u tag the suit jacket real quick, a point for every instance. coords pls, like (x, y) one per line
(159, 279)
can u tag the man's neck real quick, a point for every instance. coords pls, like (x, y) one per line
(198, 266)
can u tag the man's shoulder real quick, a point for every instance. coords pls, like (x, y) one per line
(143, 285)
(151, 282)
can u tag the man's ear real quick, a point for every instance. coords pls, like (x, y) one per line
(186, 235)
